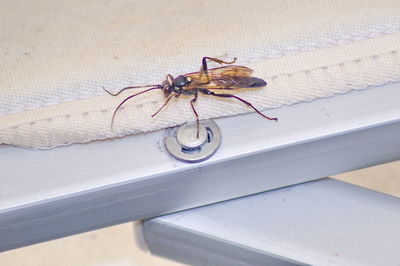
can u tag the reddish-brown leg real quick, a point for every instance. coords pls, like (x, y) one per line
(240, 99)
(204, 66)
(192, 101)
(165, 104)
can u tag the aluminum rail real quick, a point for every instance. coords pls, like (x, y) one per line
(323, 222)
(55, 193)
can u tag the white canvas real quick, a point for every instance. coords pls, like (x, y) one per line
(55, 57)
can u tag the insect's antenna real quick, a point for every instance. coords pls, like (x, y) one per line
(131, 87)
(128, 98)
(165, 104)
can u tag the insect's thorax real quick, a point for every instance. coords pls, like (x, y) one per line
(179, 85)
(182, 90)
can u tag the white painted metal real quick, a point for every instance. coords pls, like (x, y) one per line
(55, 193)
(323, 222)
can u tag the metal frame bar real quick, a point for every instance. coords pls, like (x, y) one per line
(50, 194)
(323, 222)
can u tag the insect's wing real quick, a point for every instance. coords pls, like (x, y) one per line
(230, 71)
(219, 72)
(248, 82)
(234, 77)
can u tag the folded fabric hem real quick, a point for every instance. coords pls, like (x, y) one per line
(41, 129)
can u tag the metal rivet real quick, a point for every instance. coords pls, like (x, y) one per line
(187, 136)
(183, 144)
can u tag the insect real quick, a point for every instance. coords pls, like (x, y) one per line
(207, 81)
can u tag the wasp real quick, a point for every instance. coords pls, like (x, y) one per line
(214, 82)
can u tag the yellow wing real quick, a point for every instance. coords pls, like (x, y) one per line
(235, 71)
(227, 77)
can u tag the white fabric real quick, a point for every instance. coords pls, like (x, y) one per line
(55, 57)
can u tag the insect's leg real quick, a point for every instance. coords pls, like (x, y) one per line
(165, 104)
(192, 101)
(205, 91)
(204, 67)
(219, 61)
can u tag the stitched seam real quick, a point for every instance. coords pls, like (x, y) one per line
(275, 54)
(343, 63)
(290, 75)
(331, 43)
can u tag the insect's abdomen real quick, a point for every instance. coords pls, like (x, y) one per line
(249, 82)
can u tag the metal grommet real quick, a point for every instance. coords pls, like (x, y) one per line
(183, 144)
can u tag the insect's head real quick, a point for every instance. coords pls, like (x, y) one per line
(166, 86)
(181, 81)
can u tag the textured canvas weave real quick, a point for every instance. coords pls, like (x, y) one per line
(55, 57)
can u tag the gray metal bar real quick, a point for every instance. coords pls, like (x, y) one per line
(50, 194)
(324, 222)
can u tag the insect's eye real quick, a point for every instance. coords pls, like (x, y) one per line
(181, 81)
(167, 90)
